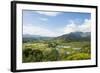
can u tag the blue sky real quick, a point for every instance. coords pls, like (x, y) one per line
(47, 23)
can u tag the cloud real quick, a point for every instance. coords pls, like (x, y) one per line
(35, 30)
(48, 13)
(86, 26)
(43, 19)
(72, 27)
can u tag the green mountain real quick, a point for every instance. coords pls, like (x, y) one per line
(73, 36)
(76, 36)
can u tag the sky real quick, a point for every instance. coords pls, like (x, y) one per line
(53, 24)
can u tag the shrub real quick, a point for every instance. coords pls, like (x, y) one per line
(30, 55)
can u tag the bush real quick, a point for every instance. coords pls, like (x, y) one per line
(30, 55)
(53, 55)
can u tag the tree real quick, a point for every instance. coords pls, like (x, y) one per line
(37, 55)
(51, 56)
(30, 55)
(52, 44)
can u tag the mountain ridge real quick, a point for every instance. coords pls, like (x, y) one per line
(73, 36)
(76, 36)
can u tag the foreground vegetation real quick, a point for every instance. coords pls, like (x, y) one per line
(55, 50)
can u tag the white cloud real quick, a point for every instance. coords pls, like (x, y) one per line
(43, 19)
(35, 30)
(86, 26)
(48, 13)
(72, 27)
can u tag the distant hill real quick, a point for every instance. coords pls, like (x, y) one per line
(30, 36)
(73, 36)
(76, 36)
(27, 37)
